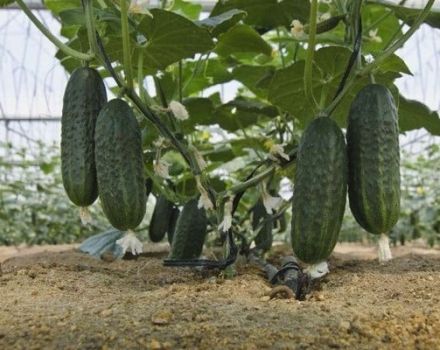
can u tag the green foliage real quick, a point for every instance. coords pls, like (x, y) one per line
(34, 206)
(192, 58)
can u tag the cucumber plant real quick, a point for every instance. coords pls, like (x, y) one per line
(299, 66)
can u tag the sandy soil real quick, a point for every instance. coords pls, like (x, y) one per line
(53, 298)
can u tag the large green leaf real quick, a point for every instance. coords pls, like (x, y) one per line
(267, 13)
(408, 15)
(199, 75)
(416, 115)
(377, 34)
(171, 37)
(187, 9)
(221, 23)
(287, 87)
(58, 6)
(242, 39)
(201, 111)
(255, 78)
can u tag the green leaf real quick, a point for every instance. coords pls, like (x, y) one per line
(187, 9)
(394, 64)
(4, 3)
(47, 168)
(201, 111)
(171, 38)
(200, 75)
(415, 115)
(242, 38)
(287, 87)
(221, 23)
(408, 15)
(58, 6)
(253, 106)
(267, 14)
(377, 35)
(255, 78)
(74, 16)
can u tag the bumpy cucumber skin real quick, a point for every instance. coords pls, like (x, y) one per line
(84, 97)
(119, 165)
(189, 237)
(264, 237)
(161, 219)
(173, 221)
(374, 157)
(320, 191)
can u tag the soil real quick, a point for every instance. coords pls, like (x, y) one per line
(52, 299)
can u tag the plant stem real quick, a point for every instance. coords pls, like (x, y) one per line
(308, 69)
(180, 81)
(280, 50)
(58, 43)
(126, 44)
(399, 43)
(380, 59)
(90, 24)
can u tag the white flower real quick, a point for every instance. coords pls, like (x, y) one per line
(270, 203)
(325, 16)
(178, 110)
(161, 168)
(139, 6)
(374, 37)
(204, 201)
(297, 29)
(85, 216)
(317, 270)
(278, 150)
(199, 158)
(226, 224)
(131, 243)
(159, 142)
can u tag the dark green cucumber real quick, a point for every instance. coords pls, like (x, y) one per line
(320, 191)
(262, 224)
(83, 99)
(373, 153)
(189, 237)
(119, 165)
(161, 219)
(173, 221)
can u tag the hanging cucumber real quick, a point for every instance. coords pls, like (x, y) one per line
(320, 191)
(190, 233)
(119, 165)
(264, 237)
(173, 221)
(374, 157)
(83, 99)
(161, 219)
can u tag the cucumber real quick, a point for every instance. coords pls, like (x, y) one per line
(173, 221)
(189, 237)
(119, 165)
(374, 157)
(264, 238)
(84, 97)
(161, 219)
(320, 190)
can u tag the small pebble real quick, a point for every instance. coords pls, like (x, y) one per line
(162, 317)
(155, 345)
(106, 313)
